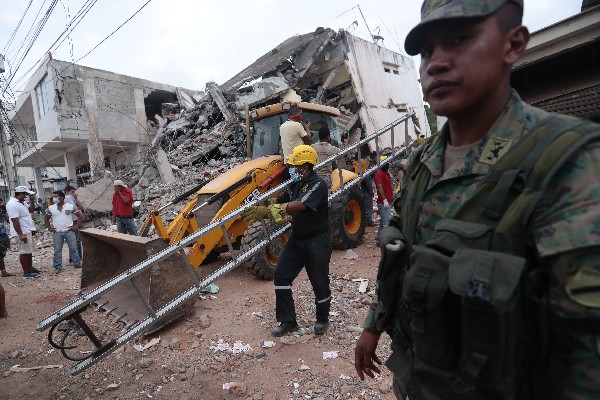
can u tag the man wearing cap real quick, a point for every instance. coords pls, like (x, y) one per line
(63, 229)
(22, 228)
(122, 203)
(484, 304)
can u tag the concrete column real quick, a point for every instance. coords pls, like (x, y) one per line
(96, 165)
(95, 151)
(140, 116)
(39, 184)
(70, 166)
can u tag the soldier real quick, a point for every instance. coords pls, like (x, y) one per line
(481, 303)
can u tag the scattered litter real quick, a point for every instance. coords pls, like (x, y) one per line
(304, 367)
(146, 346)
(212, 288)
(267, 344)
(238, 389)
(238, 347)
(257, 314)
(329, 354)
(364, 284)
(18, 368)
(350, 255)
(345, 377)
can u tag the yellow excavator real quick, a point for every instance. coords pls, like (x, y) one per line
(237, 186)
(144, 282)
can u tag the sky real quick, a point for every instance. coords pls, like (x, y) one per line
(188, 43)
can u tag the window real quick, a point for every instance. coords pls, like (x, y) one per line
(45, 95)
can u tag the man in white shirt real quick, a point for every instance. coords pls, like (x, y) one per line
(22, 228)
(293, 133)
(62, 229)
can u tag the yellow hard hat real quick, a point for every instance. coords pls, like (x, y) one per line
(303, 154)
(382, 158)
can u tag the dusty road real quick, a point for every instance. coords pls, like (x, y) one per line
(188, 362)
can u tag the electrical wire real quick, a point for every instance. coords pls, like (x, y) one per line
(103, 40)
(83, 11)
(17, 28)
(41, 25)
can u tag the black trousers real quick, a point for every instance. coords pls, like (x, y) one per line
(314, 255)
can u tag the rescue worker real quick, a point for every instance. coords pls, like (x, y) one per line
(324, 150)
(293, 133)
(309, 245)
(480, 302)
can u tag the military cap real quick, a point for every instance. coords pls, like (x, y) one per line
(437, 10)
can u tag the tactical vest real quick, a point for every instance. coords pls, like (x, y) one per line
(467, 310)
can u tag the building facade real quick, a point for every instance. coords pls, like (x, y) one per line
(72, 122)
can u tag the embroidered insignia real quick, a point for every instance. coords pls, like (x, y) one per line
(494, 149)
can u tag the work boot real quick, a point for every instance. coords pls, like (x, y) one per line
(320, 328)
(284, 328)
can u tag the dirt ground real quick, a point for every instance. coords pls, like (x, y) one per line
(195, 356)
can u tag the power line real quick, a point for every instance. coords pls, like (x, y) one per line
(41, 25)
(113, 32)
(83, 11)
(103, 40)
(17, 28)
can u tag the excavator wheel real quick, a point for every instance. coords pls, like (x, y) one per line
(263, 263)
(347, 219)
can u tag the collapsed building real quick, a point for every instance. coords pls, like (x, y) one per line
(191, 137)
(372, 86)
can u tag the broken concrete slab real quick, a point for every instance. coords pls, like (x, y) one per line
(164, 167)
(97, 197)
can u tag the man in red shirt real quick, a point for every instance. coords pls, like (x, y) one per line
(122, 203)
(385, 193)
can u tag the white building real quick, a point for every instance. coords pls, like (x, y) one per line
(71, 121)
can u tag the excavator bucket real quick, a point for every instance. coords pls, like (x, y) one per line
(108, 254)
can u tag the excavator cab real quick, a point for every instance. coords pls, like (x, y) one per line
(265, 123)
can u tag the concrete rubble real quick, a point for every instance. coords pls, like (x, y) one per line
(203, 136)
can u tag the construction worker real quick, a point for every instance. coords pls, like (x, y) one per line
(293, 133)
(309, 245)
(489, 279)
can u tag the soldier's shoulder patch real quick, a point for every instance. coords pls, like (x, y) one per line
(494, 149)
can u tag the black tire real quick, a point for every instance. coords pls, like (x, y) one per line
(263, 263)
(347, 219)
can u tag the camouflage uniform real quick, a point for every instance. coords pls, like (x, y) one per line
(565, 229)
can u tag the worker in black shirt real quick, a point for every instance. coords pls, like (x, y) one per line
(309, 246)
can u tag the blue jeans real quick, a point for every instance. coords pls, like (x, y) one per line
(385, 213)
(58, 240)
(126, 225)
(79, 246)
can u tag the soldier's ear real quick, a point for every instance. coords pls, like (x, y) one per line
(516, 43)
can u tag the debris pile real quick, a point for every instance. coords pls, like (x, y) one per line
(201, 137)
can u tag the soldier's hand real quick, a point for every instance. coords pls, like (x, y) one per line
(256, 213)
(365, 358)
